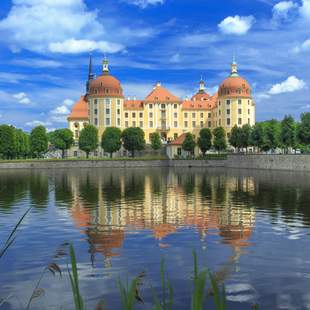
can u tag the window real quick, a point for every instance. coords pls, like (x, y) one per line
(185, 115)
(150, 106)
(151, 115)
(175, 115)
(248, 102)
(239, 121)
(118, 122)
(209, 124)
(126, 114)
(141, 124)
(133, 115)
(107, 111)
(186, 124)
(239, 101)
(193, 115)
(179, 151)
(107, 122)
(175, 124)
(118, 111)
(134, 124)
(219, 112)
(220, 123)
(118, 102)
(194, 124)
(219, 103)
(209, 115)
(175, 106)
(75, 154)
(201, 124)
(141, 114)
(95, 101)
(201, 115)
(175, 136)
(163, 106)
(151, 124)
(228, 111)
(228, 102)
(96, 111)
(249, 112)
(126, 124)
(228, 121)
(76, 134)
(239, 111)
(96, 121)
(249, 122)
(107, 101)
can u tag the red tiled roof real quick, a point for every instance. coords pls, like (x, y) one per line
(179, 140)
(133, 105)
(161, 94)
(106, 85)
(235, 86)
(201, 96)
(79, 110)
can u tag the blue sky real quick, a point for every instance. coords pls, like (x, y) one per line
(45, 44)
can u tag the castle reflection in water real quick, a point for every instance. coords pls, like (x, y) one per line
(108, 204)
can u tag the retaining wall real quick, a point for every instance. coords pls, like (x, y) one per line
(270, 162)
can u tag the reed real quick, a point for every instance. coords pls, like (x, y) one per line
(74, 279)
(128, 293)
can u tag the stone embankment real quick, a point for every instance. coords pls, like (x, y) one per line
(270, 162)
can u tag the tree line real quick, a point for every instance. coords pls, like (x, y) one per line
(262, 137)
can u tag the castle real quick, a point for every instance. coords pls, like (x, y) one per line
(160, 111)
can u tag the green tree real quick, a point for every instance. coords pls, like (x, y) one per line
(219, 139)
(133, 139)
(189, 143)
(111, 140)
(246, 136)
(235, 138)
(22, 144)
(288, 133)
(88, 140)
(205, 140)
(38, 141)
(155, 141)
(258, 136)
(62, 139)
(303, 131)
(271, 135)
(7, 141)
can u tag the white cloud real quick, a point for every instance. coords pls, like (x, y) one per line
(22, 98)
(305, 46)
(68, 102)
(305, 8)
(237, 25)
(144, 3)
(176, 58)
(37, 123)
(47, 25)
(291, 84)
(61, 110)
(73, 46)
(282, 9)
(8, 77)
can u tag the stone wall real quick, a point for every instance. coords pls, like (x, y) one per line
(271, 162)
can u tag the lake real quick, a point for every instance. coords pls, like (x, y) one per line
(250, 228)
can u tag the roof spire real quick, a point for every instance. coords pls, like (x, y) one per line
(202, 86)
(234, 67)
(105, 66)
(90, 73)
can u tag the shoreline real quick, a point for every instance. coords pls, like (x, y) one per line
(251, 161)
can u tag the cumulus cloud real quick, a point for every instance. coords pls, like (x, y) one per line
(305, 46)
(291, 84)
(305, 9)
(22, 98)
(49, 25)
(282, 9)
(37, 123)
(237, 25)
(73, 46)
(144, 3)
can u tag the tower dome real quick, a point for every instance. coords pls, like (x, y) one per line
(234, 85)
(106, 85)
